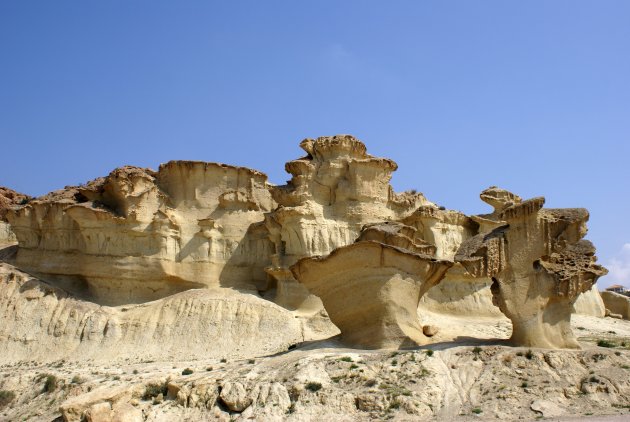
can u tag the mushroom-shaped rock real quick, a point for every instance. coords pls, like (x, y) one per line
(539, 266)
(371, 291)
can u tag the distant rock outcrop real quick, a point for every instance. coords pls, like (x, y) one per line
(617, 304)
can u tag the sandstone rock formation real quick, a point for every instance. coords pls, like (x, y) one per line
(138, 242)
(334, 191)
(43, 322)
(138, 235)
(617, 303)
(8, 199)
(371, 288)
(539, 264)
(590, 303)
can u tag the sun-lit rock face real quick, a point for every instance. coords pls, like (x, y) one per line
(138, 235)
(39, 321)
(334, 191)
(373, 256)
(9, 199)
(371, 288)
(539, 263)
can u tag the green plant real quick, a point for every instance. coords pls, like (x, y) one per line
(394, 362)
(606, 343)
(477, 411)
(313, 386)
(251, 361)
(223, 360)
(395, 404)
(519, 353)
(135, 372)
(291, 408)
(51, 383)
(346, 359)
(529, 355)
(187, 371)
(477, 350)
(524, 384)
(354, 366)
(77, 380)
(6, 397)
(429, 352)
(154, 390)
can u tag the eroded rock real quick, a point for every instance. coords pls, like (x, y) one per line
(539, 264)
(371, 289)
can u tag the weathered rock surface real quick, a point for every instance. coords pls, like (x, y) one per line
(371, 291)
(8, 199)
(617, 303)
(137, 241)
(335, 190)
(539, 264)
(327, 382)
(590, 303)
(139, 235)
(42, 322)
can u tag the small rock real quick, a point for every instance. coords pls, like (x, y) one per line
(159, 399)
(430, 330)
(370, 402)
(172, 389)
(182, 397)
(547, 408)
(235, 397)
(99, 412)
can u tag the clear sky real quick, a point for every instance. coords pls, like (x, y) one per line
(533, 96)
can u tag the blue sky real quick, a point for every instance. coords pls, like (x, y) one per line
(531, 96)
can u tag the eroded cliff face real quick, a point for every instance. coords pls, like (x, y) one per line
(45, 323)
(138, 235)
(335, 190)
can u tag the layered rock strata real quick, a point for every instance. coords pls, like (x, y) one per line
(45, 323)
(139, 235)
(335, 190)
(371, 288)
(539, 265)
